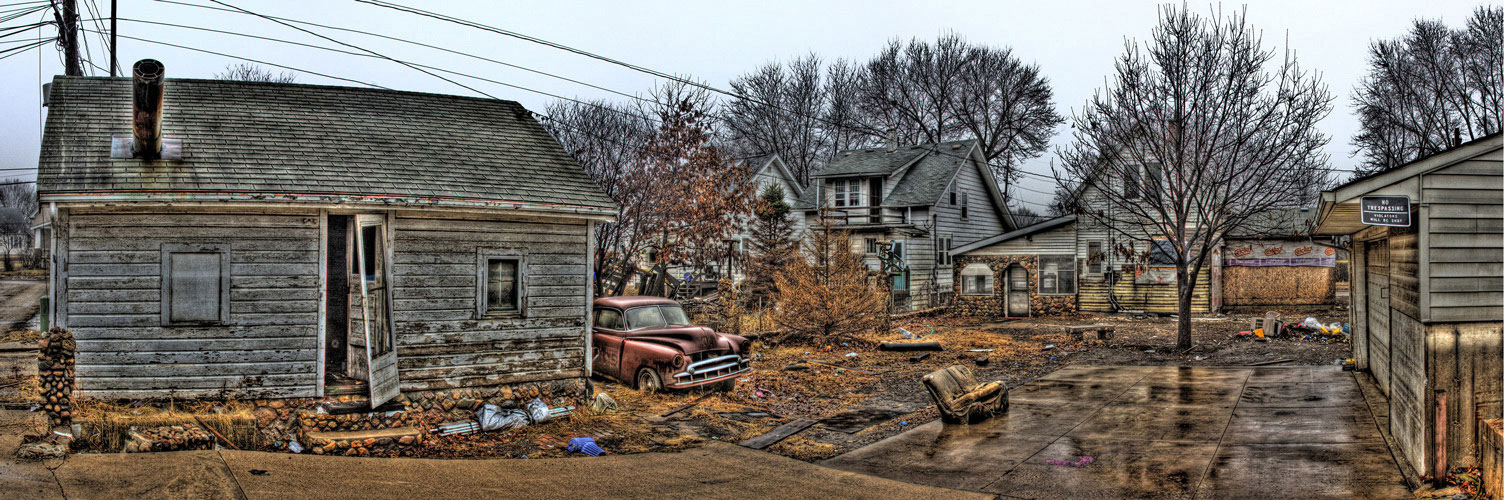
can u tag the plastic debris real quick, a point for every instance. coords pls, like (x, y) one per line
(603, 403)
(906, 334)
(1048, 347)
(294, 447)
(493, 418)
(585, 445)
(851, 355)
(537, 411)
(906, 422)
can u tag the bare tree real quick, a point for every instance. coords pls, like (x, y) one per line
(1026, 216)
(248, 72)
(18, 204)
(1199, 130)
(1431, 90)
(782, 115)
(1064, 202)
(607, 140)
(952, 89)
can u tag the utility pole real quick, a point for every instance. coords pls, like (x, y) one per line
(114, 60)
(67, 27)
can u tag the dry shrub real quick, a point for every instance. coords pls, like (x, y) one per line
(828, 294)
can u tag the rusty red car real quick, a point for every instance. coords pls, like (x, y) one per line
(649, 343)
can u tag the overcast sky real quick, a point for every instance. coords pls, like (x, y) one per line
(1073, 42)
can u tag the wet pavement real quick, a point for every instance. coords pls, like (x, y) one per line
(1156, 432)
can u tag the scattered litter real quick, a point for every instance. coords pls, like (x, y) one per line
(796, 367)
(603, 403)
(851, 355)
(585, 445)
(1274, 362)
(260, 472)
(979, 350)
(493, 418)
(294, 447)
(1048, 347)
(982, 361)
(906, 422)
(906, 334)
(838, 367)
(761, 393)
(918, 357)
(1081, 461)
(910, 346)
(778, 434)
(1199, 358)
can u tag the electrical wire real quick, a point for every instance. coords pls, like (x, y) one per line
(257, 61)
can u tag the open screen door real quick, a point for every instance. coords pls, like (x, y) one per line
(375, 309)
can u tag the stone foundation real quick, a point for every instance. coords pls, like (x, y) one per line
(992, 305)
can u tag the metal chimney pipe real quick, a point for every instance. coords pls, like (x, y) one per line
(146, 122)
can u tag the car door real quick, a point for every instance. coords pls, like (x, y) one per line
(607, 338)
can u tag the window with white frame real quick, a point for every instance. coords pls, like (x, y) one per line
(942, 250)
(840, 191)
(976, 279)
(1057, 274)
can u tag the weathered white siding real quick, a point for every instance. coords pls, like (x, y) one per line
(1464, 228)
(112, 292)
(1057, 241)
(982, 219)
(441, 343)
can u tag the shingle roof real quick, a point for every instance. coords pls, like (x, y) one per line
(930, 170)
(291, 140)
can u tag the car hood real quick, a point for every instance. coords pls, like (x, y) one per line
(690, 339)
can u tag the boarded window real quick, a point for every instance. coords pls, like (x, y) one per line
(1057, 274)
(195, 285)
(1094, 257)
(976, 279)
(501, 286)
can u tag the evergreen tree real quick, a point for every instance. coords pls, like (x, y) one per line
(772, 243)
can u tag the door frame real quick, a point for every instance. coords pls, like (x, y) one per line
(1008, 290)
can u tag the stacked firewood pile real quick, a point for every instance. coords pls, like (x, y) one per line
(169, 438)
(55, 370)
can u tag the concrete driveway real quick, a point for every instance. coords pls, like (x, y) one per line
(1156, 432)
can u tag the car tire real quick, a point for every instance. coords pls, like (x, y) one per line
(648, 380)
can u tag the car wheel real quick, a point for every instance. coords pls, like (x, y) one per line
(648, 380)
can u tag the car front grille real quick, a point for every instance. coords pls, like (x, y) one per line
(710, 366)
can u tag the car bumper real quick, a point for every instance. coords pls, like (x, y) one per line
(708, 371)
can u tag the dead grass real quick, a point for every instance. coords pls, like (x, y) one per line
(22, 336)
(106, 426)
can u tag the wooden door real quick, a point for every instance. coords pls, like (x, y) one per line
(1018, 291)
(375, 307)
(1376, 256)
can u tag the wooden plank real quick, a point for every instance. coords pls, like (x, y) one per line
(1466, 284)
(1456, 270)
(778, 434)
(182, 357)
(1458, 211)
(194, 369)
(198, 332)
(1465, 226)
(1467, 255)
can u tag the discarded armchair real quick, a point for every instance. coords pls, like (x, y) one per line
(961, 399)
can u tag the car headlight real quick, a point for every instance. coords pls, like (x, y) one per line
(679, 361)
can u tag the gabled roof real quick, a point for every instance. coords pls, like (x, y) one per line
(925, 170)
(774, 164)
(1340, 214)
(1015, 234)
(310, 143)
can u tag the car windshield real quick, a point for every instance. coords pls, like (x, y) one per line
(656, 316)
(675, 315)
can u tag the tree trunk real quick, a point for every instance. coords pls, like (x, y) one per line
(1184, 289)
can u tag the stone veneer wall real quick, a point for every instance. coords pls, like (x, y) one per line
(992, 305)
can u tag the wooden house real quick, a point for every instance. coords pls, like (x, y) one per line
(1123, 274)
(915, 202)
(1428, 295)
(262, 240)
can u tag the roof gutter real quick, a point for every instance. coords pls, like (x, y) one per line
(328, 199)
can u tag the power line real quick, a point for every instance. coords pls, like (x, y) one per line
(419, 44)
(257, 61)
(442, 70)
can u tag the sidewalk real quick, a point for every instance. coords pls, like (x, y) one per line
(718, 470)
